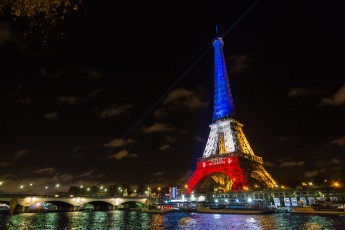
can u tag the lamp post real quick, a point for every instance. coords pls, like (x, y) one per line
(159, 194)
(148, 190)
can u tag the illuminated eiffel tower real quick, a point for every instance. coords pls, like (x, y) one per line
(228, 158)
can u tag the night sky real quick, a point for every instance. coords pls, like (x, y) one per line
(112, 94)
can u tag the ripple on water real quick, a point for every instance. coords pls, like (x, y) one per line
(132, 220)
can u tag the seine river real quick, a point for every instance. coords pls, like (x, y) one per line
(177, 220)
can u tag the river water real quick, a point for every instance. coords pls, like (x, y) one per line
(101, 220)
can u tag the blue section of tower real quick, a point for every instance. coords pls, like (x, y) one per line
(223, 103)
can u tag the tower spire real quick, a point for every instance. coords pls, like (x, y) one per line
(223, 102)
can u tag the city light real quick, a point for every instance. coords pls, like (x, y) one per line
(336, 184)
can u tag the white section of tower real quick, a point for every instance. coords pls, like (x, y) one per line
(228, 137)
(212, 141)
(211, 145)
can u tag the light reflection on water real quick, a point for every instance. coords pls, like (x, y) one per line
(138, 220)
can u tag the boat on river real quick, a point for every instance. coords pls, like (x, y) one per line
(320, 209)
(237, 206)
(235, 211)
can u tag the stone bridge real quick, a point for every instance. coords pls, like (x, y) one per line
(22, 204)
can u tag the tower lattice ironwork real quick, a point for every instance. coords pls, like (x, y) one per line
(227, 152)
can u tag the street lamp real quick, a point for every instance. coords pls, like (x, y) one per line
(159, 193)
(149, 192)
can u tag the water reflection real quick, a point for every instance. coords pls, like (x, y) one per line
(138, 220)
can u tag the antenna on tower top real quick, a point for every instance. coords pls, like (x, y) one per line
(216, 29)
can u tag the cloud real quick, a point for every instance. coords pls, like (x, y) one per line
(160, 113)
(20, 153)
(119, 142)
(338, 141)
(4, 164)
(19, 96)
(122, 154)
(70, 100)
(95, 92)
(302, 92)
(164, 147)
(157, 174)
(46, 170)
(170, 139)
(158, 127)
(313, 173)
(239, 62)
(335, 161)
(51, 116)
(92, 73)
(45, 73)
(115, 111)
(181, 181)
(199, 139)
(5, 33)
(336, 100)
(77, 71)
(77, 148)
(292, 164)
(185, 98)
(86, 174)
(269, 164)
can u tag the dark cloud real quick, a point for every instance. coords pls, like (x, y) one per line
(238, 62)
(119, 142)
(335, 100)
(292, 164)
(296, 92)
(21, 153)
(158, 127)
(51, 116)
(122, 155)
(338, 141)
(46, 170)
(185, 98)
(70, 100)
(4, 164)
(164, 147)
(115, 111)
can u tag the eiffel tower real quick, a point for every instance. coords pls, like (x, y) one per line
(228, 158)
